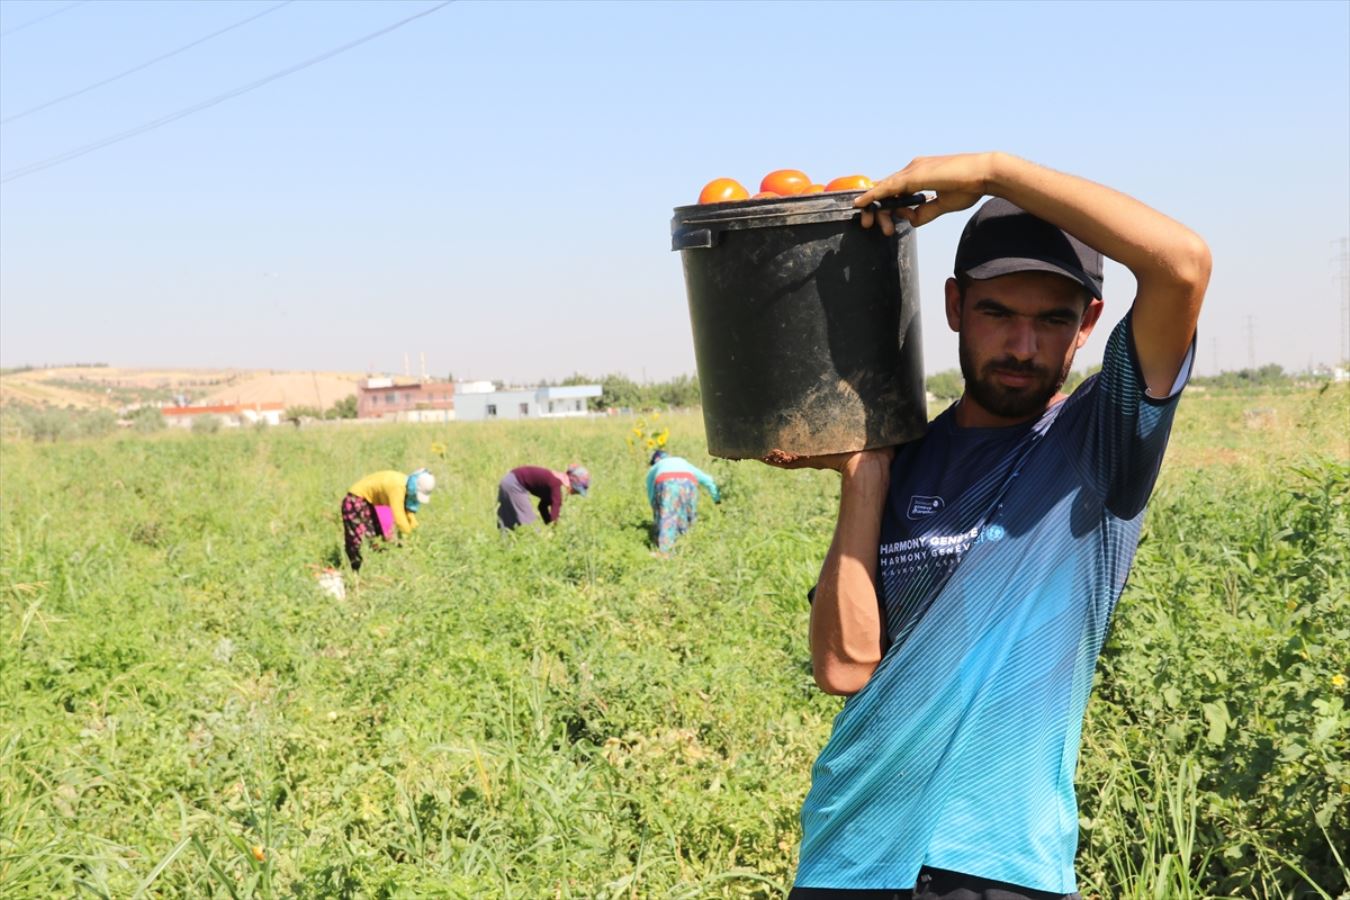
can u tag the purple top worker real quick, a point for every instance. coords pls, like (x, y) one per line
(518, 490)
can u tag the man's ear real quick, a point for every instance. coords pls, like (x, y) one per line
(1090, 317)
(953, 294)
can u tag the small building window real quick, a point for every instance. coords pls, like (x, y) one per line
(492, 410)
(524, 409)
(391, 398)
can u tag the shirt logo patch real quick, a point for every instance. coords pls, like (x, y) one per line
(920, 506)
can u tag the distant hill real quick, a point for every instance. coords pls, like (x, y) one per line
(318, 389)
(106, 387)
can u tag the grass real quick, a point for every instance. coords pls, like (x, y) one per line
(560, 714)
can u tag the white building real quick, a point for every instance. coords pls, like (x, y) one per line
(525, 403)
(235, 415)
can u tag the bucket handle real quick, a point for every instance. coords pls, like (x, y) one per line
(693, 239)
(904, 200)
(703, 238)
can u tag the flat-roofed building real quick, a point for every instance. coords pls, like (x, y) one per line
(417, 401)
(526, 403)
(233, 415)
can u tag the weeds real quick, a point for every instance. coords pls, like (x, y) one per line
(557, 714)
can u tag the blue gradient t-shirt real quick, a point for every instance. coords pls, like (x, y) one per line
(1003, 553)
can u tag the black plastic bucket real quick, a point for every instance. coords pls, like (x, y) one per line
(806, 326)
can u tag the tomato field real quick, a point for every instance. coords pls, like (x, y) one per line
(560, 713)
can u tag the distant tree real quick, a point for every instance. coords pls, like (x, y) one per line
(682, 390)
(343, 409)
(576, 378)
(96, 422)
(147, 419)
(1269, 375)
(621, 392)
(47, 424)
(1266, 377)
(296, 413)
(946, 385)
(1076, 378)
(206, 424)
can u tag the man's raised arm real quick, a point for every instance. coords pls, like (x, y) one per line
(1170, 263)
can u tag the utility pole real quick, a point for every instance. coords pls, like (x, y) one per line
(1343, 276)
(1251, 344)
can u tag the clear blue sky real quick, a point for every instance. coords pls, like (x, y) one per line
(492, 184)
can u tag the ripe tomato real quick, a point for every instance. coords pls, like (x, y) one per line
(722, 190)
(785, 182)
(815, 189)
(765, 195)
(850, 183)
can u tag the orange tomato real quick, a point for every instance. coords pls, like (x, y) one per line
(785, 182)
(765, 195)
(722, 190)
(815, 189)
(850, 183)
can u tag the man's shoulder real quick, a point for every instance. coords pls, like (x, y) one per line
(1072, 407)
(938, 425)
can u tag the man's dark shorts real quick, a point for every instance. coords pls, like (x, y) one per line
(935, 884)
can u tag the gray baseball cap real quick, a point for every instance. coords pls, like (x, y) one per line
(1002, 238)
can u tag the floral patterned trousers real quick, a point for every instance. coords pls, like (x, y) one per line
(358, 523)
(674, 510)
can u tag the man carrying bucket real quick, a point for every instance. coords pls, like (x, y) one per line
(973, 572)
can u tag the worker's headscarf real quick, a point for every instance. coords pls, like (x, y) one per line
(657, 456)
(420, 485)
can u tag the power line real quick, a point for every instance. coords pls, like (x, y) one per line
(41, 18)
(144, 65)
(24, 171)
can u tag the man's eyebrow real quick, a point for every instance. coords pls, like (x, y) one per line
(987, 304)
(1060, 312)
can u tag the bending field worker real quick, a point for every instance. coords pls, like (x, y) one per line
(973, 572)
(522, 486)
(672, 491)
(402, 494)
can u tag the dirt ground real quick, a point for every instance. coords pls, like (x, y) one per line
(108, 387)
